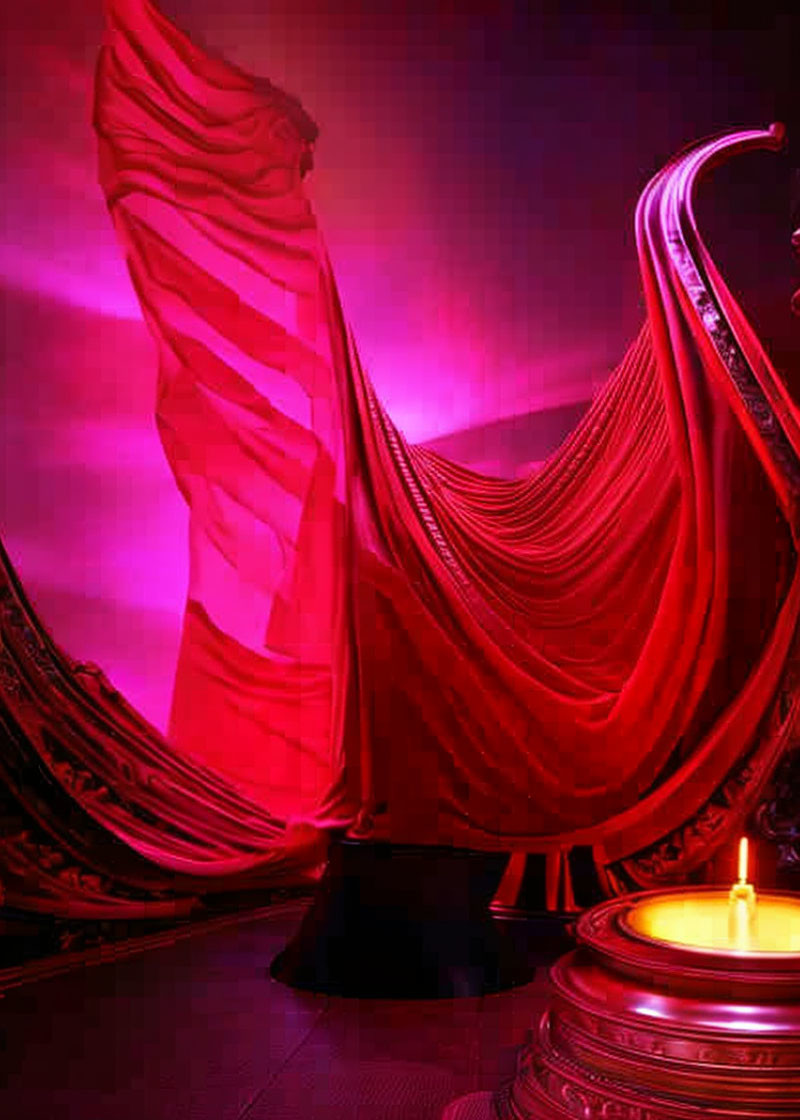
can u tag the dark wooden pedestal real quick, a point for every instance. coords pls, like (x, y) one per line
(403, 921)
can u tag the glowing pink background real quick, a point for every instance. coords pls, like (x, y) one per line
(476, 175)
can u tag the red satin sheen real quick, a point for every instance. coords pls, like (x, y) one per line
(376, 635)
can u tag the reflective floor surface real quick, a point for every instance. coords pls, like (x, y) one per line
(197, 1030)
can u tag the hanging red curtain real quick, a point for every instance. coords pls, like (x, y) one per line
(377, 637)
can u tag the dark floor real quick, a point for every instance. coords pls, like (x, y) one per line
(197, 1030)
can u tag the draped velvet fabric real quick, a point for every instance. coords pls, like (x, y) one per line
(99, 816)
(378, 638)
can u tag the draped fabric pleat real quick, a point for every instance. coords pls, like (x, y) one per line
(99, 816)
(376, 638)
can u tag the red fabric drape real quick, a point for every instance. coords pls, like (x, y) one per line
(376, 635)
(99, 816)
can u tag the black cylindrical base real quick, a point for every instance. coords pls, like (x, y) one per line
(403, 921)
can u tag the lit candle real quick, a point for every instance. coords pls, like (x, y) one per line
(742, 906)
(743, 860)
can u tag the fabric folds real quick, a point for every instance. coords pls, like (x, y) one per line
(378, 638)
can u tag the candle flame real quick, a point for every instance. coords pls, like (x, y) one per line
(743, 859)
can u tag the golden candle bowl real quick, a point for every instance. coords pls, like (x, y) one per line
(702, 920)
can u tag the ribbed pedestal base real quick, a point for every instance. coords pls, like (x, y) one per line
(639, 1029)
